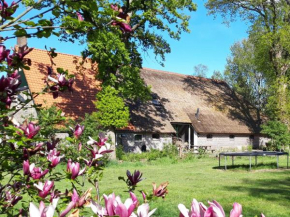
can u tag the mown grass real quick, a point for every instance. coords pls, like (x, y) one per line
(263, 189)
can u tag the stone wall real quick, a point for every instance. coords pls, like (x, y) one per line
(26, 112)
(224, 141)
(138, 142)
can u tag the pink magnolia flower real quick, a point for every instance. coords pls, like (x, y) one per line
(44, 189)
(195, 211)
(134, 178)
(236, 211)
(11, 199)
(54, 157)
(36, 172)
(144, 196)
(51, 145)
(262, 215)
(80, 17)
(32, 151)
(3, 53)
(54, 89)
(98, 149)
(7, 11)
(161, 191)
(114, 7)
(80, 146)
(78, 131)
(26, 170)
(85, 198)
(115, 207)
(42, 210)
(74, 169)
(30, 130)
(14, 74)
(98, 209)
(143, 211)
(214, 210)
(61, 80)
(4, 82)
(101, 140)
(72, 204)
(9, 86)
(15, 58)
(125, 27)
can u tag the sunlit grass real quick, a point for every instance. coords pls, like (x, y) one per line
(263, 189)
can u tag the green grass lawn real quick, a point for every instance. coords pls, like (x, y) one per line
(264, 189)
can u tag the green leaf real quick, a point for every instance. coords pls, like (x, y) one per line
(30, 23)
(20, 33)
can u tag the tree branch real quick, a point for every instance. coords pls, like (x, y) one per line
(36, 27)
(31, 17)
(253, 8)
(138, 24)
(18, 17)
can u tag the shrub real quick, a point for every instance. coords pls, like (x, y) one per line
(279, 134)
(168, 150)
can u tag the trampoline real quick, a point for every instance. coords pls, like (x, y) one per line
(252, 154)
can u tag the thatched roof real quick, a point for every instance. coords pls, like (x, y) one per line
(220, 109)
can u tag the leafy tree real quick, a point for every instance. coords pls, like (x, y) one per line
(49, 118)
(269, 33)
(111, 109)
(200, 70)
(243, 75)
(114, 33)
(278, 132)
(217, 75)
(117, 51)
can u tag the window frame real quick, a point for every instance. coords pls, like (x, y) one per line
(139, 140)
(209, 137)
(156, 134)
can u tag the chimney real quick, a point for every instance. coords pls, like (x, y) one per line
(21, 44)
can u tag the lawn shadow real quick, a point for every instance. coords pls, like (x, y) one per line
(269, 189)
(259, 166)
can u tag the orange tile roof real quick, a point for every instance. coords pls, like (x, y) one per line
(85, 88)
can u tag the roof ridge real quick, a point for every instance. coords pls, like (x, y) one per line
(157, 70)
(184, 75)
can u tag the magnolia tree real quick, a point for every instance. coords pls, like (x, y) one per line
(32, 159)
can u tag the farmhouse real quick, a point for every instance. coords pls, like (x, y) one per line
(199, 111)
(195, 111)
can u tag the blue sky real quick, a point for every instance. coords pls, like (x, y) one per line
(208, 43)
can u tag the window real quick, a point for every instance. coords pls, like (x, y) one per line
(232, 137)
(155, 136)
(138, 137)
(209, 136)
